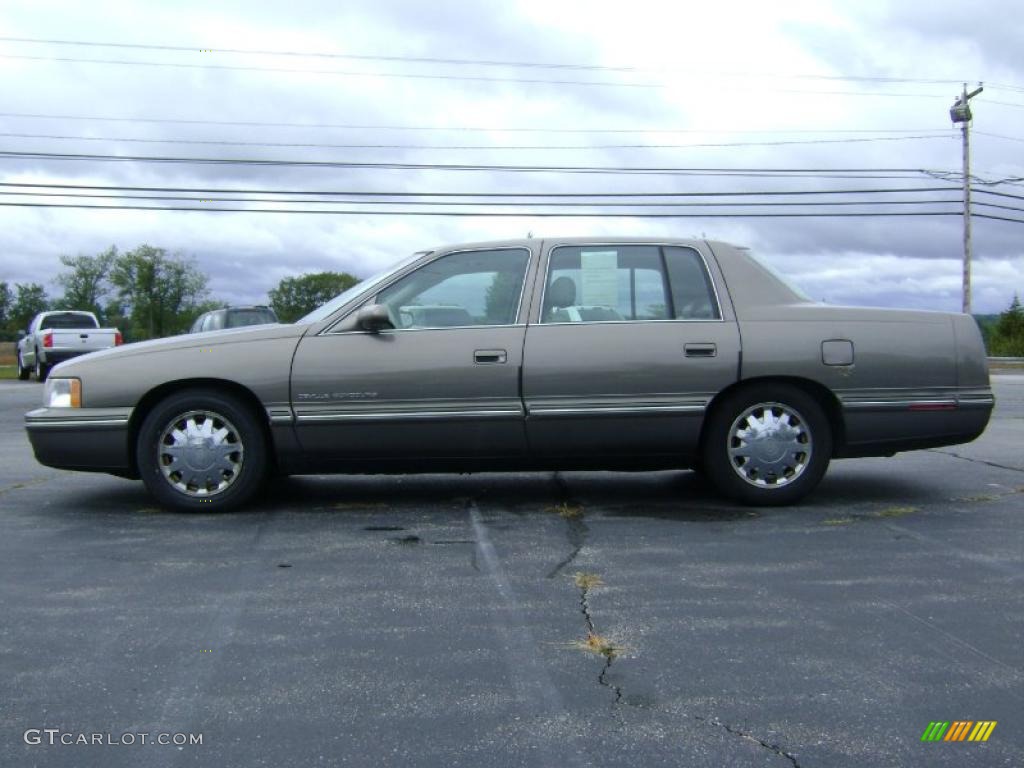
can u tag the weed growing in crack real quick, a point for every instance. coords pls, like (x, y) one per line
(587, 581)
(600, 645)
(567, 510)
(837, 521)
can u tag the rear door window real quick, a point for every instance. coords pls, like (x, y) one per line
(623, 283)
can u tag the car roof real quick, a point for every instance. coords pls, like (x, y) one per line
(535, 242)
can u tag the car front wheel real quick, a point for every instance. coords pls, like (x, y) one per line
(767, 445)
(202, 450)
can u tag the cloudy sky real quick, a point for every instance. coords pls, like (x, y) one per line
(842, 96)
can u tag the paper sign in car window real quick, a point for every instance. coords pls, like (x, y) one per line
(599, 280)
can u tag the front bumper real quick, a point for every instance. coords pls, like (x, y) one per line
(86, 439)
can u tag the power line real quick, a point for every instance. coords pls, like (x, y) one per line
(460, 147)
(465, 128)
(997, 218)
(997, 194)
(483, 62)
(463, 78)
(1016, 104)
(354, 73)
(560, 195)
(499, 214)
(622, 170)
(998, 136)
(504, 204)
(997, 205)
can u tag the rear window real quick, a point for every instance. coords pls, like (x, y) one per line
(69, 320)
(238, 318)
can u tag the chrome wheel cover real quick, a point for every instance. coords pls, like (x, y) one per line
(200, 453)
(770, 445)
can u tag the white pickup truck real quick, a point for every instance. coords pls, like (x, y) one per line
(53, 337)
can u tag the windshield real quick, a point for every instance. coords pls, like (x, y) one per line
(346, 296)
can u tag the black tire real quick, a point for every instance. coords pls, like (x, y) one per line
(23, 372)
(42, 370)
(787, 464)
(216, 477)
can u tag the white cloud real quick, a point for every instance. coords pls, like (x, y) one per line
(725, 68)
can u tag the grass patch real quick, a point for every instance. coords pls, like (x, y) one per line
(587, 580)
(894, 511)
(8, 371)
(599, 645)
(897, 512)
(567, 510)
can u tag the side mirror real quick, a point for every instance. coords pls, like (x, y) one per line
(374, 318)
(21, 334)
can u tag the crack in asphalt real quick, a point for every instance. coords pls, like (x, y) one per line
(975, 461)
(576, 529)
(619, 699)
(749, 737)
(602, 678)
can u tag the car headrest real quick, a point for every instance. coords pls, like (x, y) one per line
(562, 293)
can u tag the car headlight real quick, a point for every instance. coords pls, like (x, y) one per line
(63, 393)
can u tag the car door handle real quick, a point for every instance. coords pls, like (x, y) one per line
(490, 356)
(700, 350)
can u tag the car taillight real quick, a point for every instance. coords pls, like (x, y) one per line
(47, 339)
(118, 339)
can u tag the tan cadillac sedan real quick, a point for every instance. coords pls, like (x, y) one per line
(528, 354)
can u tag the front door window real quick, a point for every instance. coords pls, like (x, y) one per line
(460, 290)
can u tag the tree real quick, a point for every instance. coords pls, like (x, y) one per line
(157, 290)
(29, 300)
(503, 298)
(1007, 336)
(85, 282)
(298, 296)
(5, 303)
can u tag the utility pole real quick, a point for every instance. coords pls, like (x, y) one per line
(960, 112)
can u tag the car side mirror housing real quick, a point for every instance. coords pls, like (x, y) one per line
(374, 318)
(22, 334)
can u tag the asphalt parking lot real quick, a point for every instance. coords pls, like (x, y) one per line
(439, 621)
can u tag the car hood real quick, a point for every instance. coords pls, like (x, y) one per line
(208, 340)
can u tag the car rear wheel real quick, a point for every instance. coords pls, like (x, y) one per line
(767, 445)
(23, 370)
(202, 450)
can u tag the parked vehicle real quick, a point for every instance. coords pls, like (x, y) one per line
(53, 337)
(529, 354)
(233, 317)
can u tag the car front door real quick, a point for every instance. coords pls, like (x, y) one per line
(627, 345)
(442, 383)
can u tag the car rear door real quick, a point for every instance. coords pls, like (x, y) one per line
(627, 345)
(444, 383)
